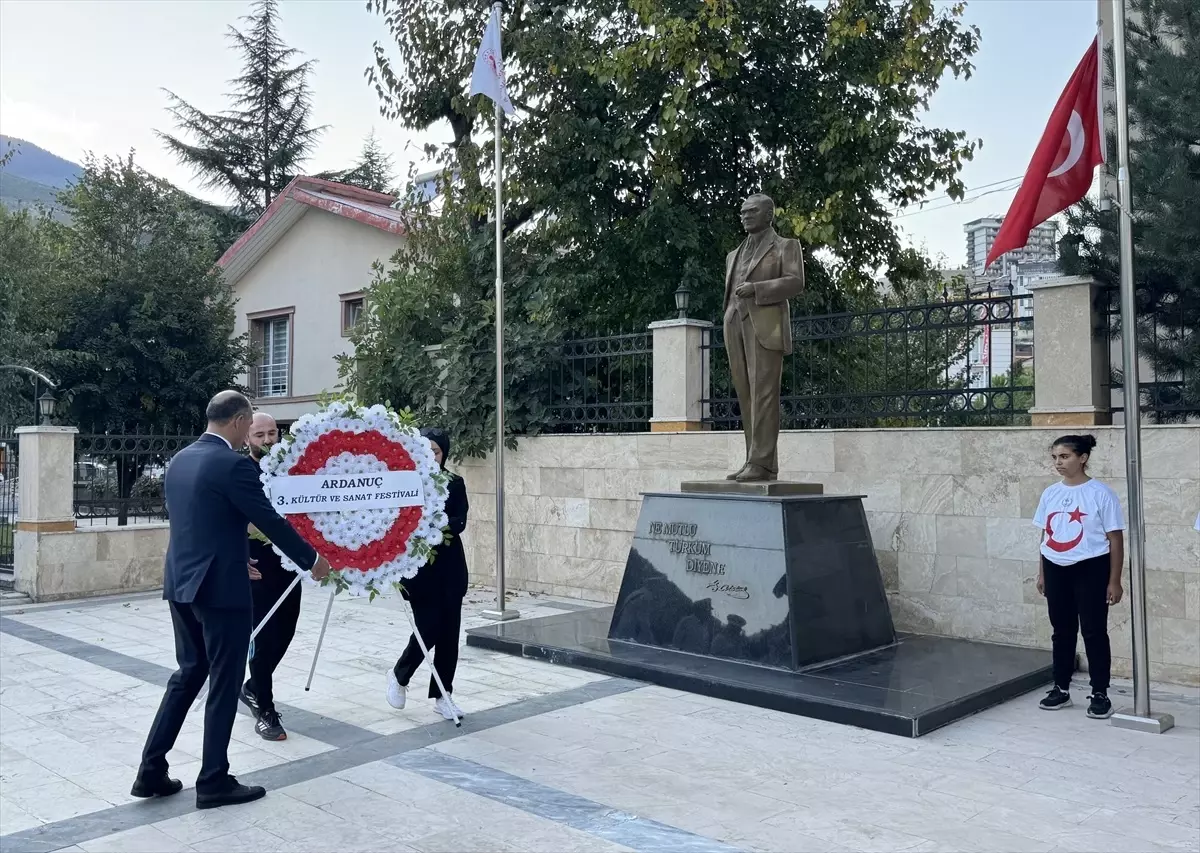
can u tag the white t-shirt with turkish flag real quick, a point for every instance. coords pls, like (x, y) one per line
(1076, 521)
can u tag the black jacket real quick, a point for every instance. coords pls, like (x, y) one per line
(446, 575)
(212, 493)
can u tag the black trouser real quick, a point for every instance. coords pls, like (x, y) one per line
(210, 642)
(272, 642)
(438, 617)
(1077, 599)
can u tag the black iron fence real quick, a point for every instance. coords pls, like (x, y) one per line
(955, 362)
(602, 385)
(9, 503)
(1169, 356)
(119, 477)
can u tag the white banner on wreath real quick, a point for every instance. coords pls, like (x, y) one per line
(306, 493)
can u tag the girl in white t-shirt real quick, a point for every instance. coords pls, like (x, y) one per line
(1083, 549)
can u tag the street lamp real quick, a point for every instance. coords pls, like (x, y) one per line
(46, 404)
(682, 297)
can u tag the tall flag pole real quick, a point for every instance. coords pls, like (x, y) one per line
(1141, 717)
(487, 78)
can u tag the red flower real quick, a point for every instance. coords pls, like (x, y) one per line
(395, 542)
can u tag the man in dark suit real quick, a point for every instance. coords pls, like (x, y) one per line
(761, 275)
(212, 494)
(271, 644)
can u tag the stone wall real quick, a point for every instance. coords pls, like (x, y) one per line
(949, 510)
(90, 561)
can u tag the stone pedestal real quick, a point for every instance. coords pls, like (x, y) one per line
(785, 581)
(774, 601)
(46, 498)
(681, 369)
(1071, 372)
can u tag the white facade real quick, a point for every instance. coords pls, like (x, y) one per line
(299, 281)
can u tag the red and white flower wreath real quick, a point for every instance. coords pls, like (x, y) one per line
(370, 549)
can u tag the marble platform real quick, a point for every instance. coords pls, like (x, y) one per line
(774, 600)
(910, 688)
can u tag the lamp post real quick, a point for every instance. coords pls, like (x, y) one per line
(46, 405)
(46, 402)
(683, 296)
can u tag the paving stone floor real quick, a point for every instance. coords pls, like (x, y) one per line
(549, 759)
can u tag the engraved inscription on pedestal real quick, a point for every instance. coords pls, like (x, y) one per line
(742, 578)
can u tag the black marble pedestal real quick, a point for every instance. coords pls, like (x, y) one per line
(775, 601)
(786, 581)
(909, 688)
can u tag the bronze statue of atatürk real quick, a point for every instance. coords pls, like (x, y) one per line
(760, 276)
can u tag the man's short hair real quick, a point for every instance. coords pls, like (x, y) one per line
(765, 200)
(226, 406)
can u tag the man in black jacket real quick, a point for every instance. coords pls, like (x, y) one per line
(436, 595)
(212, 494)
(273, 640)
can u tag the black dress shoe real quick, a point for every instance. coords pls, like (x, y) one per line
(233, 795)
(158, 786)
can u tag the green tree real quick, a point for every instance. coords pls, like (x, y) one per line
(642, 126)
(438, 291)
(253, 149)
(373, 171)
(142, 321)
(1163, 88)
(30, 258)
(644, 123)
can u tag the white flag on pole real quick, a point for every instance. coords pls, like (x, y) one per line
(488, 76)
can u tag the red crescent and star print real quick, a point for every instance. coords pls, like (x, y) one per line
(1074, 516)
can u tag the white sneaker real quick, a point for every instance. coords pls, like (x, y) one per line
(397, 694)
(448, 708)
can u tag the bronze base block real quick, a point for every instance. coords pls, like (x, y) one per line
(762, 488)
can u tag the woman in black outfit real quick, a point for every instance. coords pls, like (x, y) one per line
(436, 595)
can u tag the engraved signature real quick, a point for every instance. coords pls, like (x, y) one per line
(738, 591)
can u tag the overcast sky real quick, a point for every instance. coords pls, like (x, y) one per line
(87, 75)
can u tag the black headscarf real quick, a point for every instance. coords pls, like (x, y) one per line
(441, 438)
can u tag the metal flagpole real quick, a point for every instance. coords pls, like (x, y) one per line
(1140, 717)
(500, 613)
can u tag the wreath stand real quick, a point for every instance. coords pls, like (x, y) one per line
(321, 640)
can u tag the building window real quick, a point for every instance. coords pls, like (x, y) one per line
(352, 311)
(273, 337)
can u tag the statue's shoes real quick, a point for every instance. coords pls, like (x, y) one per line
(753, 474)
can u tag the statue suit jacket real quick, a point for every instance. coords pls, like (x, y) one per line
(212, 494)
(777, 271)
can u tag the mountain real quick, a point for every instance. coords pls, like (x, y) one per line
(33, 177)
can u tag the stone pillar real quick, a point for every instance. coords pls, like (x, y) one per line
(1070, 354)
(46, 495)
(681, 375)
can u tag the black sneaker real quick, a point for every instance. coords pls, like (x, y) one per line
(1099, 708)
(269, 727)
(1055, 700)
(250, 701)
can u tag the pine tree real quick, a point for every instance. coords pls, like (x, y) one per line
(253, 149)
(1163, 87)
(373, 171)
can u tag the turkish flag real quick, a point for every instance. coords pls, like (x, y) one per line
(1060, 172)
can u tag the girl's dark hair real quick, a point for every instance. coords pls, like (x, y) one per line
(1079, 444)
